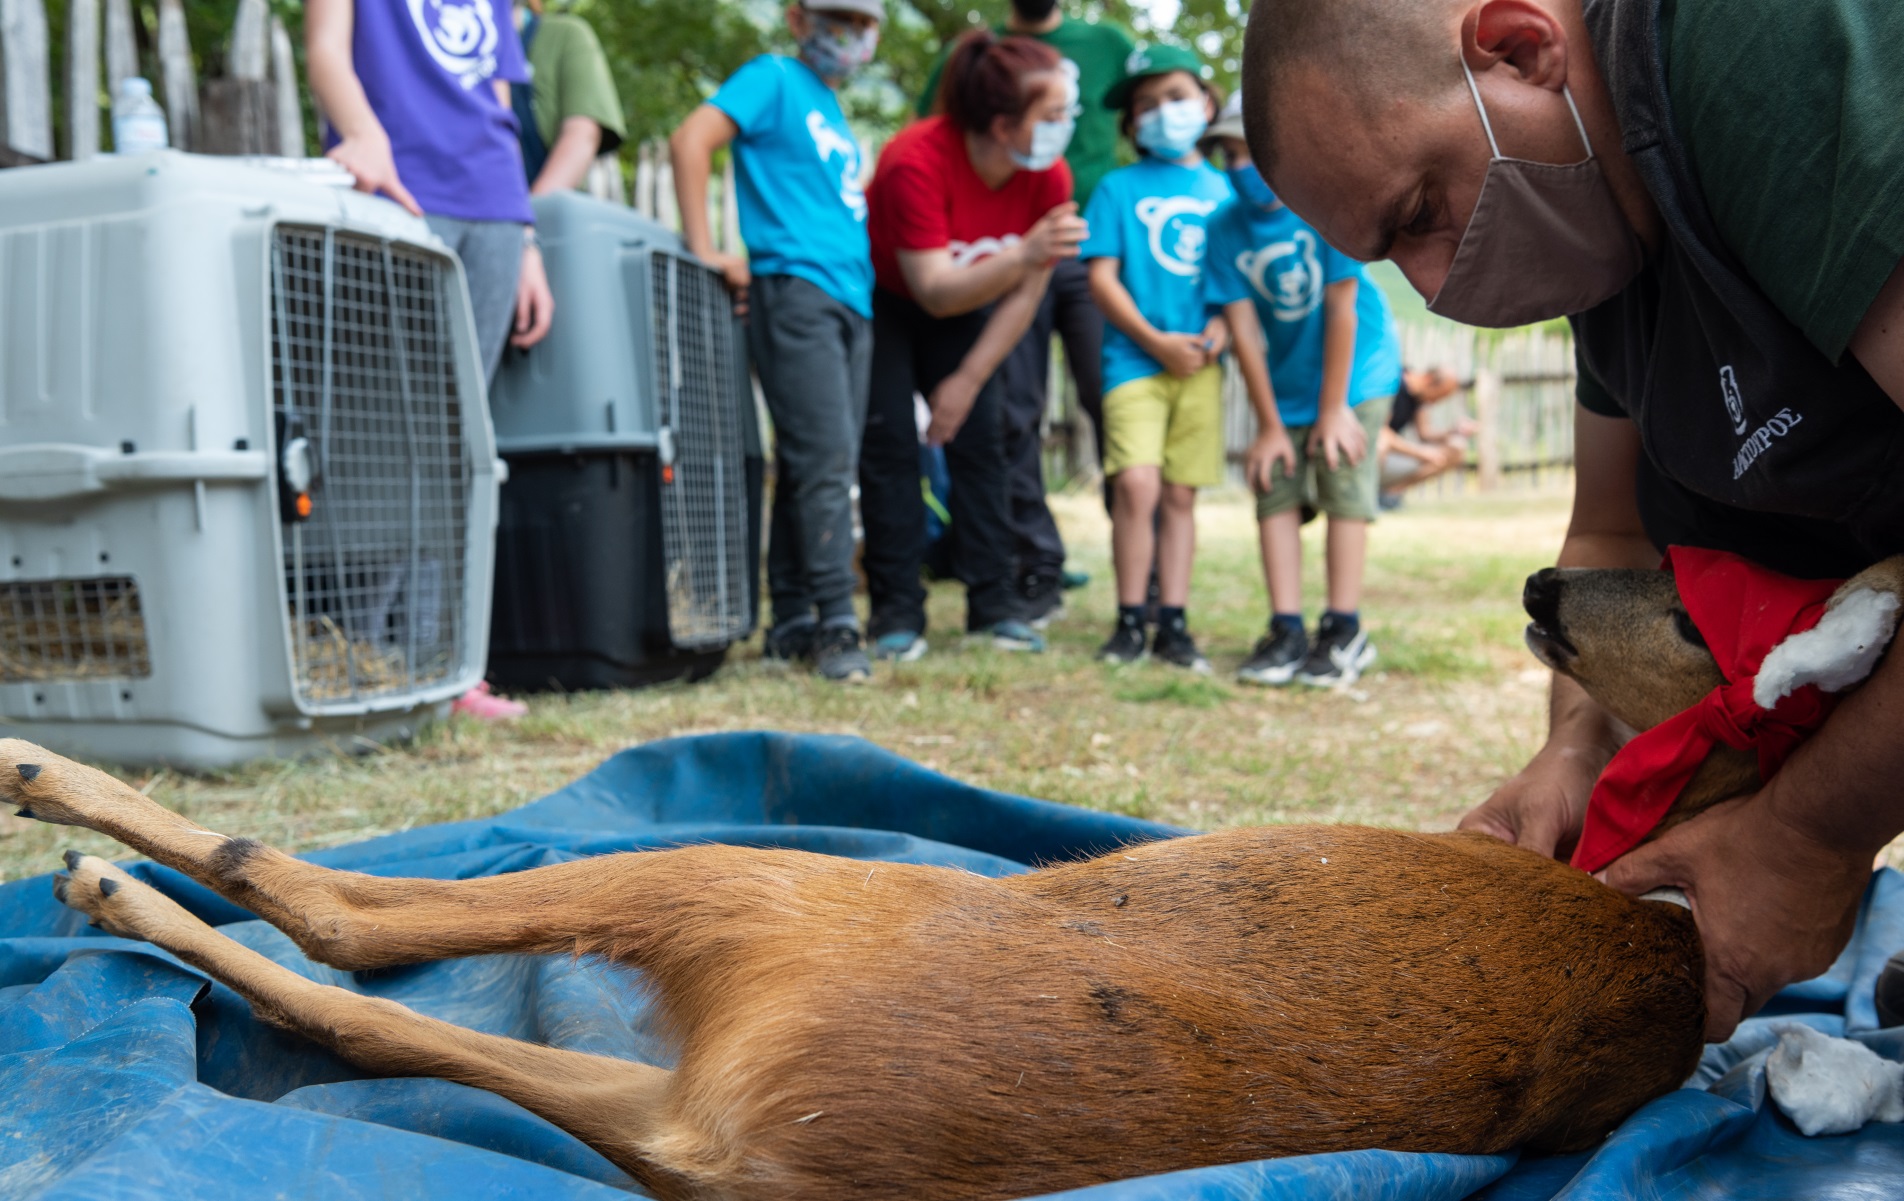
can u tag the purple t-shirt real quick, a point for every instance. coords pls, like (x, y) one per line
(427, 67)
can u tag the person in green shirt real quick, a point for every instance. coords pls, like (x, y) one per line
(570, 113)
(1712, 192)
(1094, 53)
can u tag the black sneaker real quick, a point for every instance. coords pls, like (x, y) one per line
(1175, 646)
(789, 644)
(1042, 597)
(1126, 644)
(837, 656)
(1276, 657)
(1338, 656)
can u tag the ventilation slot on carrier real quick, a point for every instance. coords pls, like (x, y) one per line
(90, 629)
(364, 371)
(703, 497)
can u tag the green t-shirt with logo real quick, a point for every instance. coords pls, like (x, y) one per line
(1793, 114)
(1098, 50)
(571, 79)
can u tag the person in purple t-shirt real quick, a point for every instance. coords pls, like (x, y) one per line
(416, 97)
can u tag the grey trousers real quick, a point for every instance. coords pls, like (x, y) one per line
(492, 263)
(814, 357)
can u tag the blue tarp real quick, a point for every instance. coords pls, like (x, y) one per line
(123, 1074)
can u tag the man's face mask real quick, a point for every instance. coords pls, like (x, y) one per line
(834, 49)
(1049, 139)
(1172, 128)
(1544, 241)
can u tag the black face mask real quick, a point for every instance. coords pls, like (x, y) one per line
(1033, 12)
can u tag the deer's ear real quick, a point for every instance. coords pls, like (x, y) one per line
(1834, 654)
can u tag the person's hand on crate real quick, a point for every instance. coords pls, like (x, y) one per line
(735, 273)
(367, 157)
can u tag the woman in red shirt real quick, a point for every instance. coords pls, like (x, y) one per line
(967, 214)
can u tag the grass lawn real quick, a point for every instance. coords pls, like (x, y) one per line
(1453, 706)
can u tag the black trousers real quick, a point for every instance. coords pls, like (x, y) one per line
(913, 352)
(1070, 313)
(813, 355)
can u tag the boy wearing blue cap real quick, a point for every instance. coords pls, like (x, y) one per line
(1163, 406)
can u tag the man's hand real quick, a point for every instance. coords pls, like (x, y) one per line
(535, 304)
(1182, 355)
(1216, 338)
(1542, 808)
(1775, 904)
(1057, 235)
(735, 273)
(951, 403)
(367, 158)
(1271, 447)
(1338, 437)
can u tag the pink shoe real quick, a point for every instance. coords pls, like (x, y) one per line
(484, 705)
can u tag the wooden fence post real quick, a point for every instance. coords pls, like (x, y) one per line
(284, 81)
(26, 99)
(82, 79)
(645, 180)
(1487, 415)
(122, 49)
(177, 75)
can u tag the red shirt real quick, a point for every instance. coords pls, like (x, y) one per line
(926, 196)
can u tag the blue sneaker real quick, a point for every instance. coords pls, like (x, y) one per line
(900, 646)
(1012, 636)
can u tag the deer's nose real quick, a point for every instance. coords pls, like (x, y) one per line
(1541, 598)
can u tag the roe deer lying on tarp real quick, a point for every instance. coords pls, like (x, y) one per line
(847, 1029)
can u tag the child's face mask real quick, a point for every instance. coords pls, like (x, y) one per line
(1251, 187)
(1172, 128)
(834, 49)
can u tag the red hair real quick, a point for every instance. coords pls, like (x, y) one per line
(985, 78)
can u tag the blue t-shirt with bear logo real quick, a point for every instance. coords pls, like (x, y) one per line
(1272, 257)
(1150, 216)
(797, 166)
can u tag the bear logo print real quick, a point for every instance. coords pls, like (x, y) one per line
(1175, 225)
(1286, 274)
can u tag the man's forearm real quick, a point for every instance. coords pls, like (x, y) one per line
(691, 167)
(1845, 785)
(569, 159)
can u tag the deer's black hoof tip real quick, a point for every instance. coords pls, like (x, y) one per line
(28, 771)
(61, 882)
(23, 811)
(108, 886)
(72, 860)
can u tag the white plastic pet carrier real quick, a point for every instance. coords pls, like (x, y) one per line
(247, 479)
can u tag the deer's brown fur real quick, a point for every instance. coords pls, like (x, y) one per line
(885, 1030)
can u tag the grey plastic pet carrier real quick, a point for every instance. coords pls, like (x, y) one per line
(629, 542)
(247, 482)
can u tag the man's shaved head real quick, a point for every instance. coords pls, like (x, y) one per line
(1373, 50)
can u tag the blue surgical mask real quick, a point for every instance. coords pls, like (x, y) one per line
(834, 50)
(1252, 188)
(1048, 142)
(1172, 128)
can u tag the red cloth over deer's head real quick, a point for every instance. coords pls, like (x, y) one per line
(1745, 612)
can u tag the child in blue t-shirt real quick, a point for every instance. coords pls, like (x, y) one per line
(1321, 399)
(806, 287)
(1163, 405)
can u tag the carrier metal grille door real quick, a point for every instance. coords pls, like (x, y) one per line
(364, 370)
(703, 476)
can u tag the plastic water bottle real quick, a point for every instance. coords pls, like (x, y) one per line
(138, 123)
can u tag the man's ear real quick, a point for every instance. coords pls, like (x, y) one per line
(1519, 33)
(796, 21)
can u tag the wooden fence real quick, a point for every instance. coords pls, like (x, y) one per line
(251, 105)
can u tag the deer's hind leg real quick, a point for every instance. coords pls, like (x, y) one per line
(620, 1108)
(624, 905)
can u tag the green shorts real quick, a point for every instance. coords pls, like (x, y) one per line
(1163, 421)
(1347, 492)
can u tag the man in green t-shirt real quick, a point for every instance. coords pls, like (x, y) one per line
(570, 112)
(1094, 54)
(1712, 192)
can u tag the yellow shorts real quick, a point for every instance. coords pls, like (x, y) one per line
(1163, 421)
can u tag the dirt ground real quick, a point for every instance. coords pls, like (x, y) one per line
(1453, 706)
